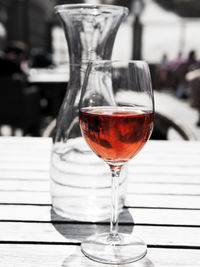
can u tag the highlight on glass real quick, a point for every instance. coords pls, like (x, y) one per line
(116, 115)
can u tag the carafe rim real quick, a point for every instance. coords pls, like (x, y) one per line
(67, 7)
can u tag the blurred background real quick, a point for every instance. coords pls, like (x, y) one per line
(34, 63)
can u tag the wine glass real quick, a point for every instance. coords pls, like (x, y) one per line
(116, 119)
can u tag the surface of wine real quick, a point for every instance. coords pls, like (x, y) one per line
(116, 134)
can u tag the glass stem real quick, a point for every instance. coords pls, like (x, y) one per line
(115, 171)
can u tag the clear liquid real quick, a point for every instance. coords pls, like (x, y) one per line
(80, 183)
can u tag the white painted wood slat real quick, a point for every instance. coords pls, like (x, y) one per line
(132, 188)
(74, 233)
(68, 256)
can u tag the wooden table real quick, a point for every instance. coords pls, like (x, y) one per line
(163, 207)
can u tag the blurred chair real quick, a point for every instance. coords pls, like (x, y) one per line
(193, 78)
(162, 126)
(19, 105)
(49, 131)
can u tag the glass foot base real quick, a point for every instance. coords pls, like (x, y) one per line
(126, 249)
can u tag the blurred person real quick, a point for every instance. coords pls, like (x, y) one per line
(180, 72)
(8, 67)
(20, 103)
(17, 52)
(164, 60)
(39, 58)
(192, 59)
(161, 72)
(173, 64)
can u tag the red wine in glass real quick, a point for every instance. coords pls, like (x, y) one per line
(116, 134)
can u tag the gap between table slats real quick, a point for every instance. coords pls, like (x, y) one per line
(45, 214)
(156, 236)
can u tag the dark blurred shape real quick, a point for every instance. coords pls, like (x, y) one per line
(180, 72)
(8, 64)
(162, 73)
(68, 2)
(171, 74)
(17, 51)
(162, 125)
(137, 9)
(126, 3)
(39, 58)
(192, 59)
(184, 8)
(195, 96)
(193, 78)
(14, 59)
(28, 21)
(19, 105)
(8, 67)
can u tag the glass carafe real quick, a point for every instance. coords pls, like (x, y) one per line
(80, 187)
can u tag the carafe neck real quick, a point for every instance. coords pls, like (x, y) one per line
(90, 30)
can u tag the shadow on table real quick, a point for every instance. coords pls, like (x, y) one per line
(77, 231)
(82, 261)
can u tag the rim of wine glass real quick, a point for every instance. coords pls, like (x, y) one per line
(117, 60)
(124, 61)
(104, 61)
(60, 8)
(93, 63)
